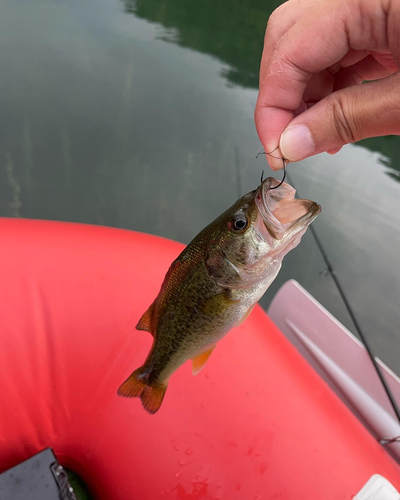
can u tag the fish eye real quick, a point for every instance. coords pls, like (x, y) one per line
(239, 223)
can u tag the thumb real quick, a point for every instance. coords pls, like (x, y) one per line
(348, 115)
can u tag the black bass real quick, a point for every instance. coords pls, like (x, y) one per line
(215, 282)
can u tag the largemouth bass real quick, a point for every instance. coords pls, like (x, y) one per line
(215, 282)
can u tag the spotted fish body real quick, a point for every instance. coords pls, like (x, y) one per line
(215, 282)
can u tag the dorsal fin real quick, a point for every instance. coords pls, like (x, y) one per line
(146, 320)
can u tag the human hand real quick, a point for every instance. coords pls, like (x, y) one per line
(316, 53)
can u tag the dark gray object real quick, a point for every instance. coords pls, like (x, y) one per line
(40, 477)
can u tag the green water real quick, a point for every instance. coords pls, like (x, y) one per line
(139, 114)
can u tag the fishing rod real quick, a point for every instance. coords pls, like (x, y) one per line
(357, 326)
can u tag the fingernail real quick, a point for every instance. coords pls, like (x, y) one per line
(296, 143)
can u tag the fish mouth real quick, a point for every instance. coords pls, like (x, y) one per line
(282, 214)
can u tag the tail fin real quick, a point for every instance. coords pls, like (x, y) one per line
(135, 386)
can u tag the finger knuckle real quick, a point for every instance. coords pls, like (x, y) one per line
(341, 119)
(274, 21)
(289, 67)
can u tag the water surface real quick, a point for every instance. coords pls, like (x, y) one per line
(139, 114)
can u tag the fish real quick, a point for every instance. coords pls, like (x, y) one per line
(214, 284)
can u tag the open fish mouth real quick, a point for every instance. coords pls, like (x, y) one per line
(283, 214)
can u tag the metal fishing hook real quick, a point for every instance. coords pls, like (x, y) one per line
(269, 154)
(278, 158)
(284, 175)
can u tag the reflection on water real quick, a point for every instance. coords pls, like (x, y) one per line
(102, 121)
(232, 31)
(389, 147)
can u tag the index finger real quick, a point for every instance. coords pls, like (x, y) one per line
(280, 21)
(315, 42)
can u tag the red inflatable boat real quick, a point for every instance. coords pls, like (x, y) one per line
(257, 423)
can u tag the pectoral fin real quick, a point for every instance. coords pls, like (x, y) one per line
(245, 316)
(146, 320)
(200, 360)
(217, 304)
